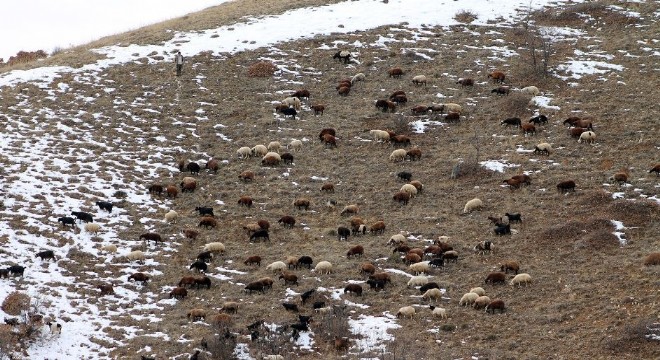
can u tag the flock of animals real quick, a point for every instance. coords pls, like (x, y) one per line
(422, 261)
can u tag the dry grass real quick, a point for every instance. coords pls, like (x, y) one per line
(16, 302)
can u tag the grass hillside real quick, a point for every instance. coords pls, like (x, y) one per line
(130, 126)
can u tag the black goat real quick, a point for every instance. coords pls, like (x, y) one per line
(199, 265)
(105, 205)
(503, 230)
(83, 216)
(513, 217)
(204, 211)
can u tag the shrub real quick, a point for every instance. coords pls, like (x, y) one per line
(15, 303)
(262, 69)
(465, 16)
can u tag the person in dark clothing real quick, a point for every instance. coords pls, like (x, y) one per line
(178, 60)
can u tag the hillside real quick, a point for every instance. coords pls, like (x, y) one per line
(113, 122)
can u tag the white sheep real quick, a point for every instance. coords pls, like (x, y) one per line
(272, 154)
(421, 267)
(588, 137)
(432, 294)
(406, 311)
(397, 239)
(216, 247)
(438, 312)
(451, 107)
(136, 255)
(323, 267)
(276, 266)
(244, 152)
(478, 290)
(274, 146)
(543, 148)
(472, 205)
(418, 281)
(295, 145)
(92, 228)
(530, 90)
(259, 150)
(481, 302)
(111, 248)
(419, 80)
(380, 135)
(468, 299)
(292, 101)
(398, 155)
(520, 279)
(357, 77)
(410, 189)
(171, 216)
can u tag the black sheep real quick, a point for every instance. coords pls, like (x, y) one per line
(305, 261)
(193, 167)
(199, 265)
(204, 211)
(343, 233)
(16, 270)
(46, 255)
(290, 112)
(105, 205)
(513, 217)
(259, 234)
(83, 216)
(67, 220)
(404, 175)
(203, 281)
(290, 307)
(503, 230)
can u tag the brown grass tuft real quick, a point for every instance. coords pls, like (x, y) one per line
(262, 69)
(15, 303)
(634, 213)
(23, 57)
(465, 16)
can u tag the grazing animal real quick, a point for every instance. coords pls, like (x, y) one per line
(196, 314)
(194, 168)
(520, 279)
(350, 209)
(171, 191)
(111, 248)
(244, 152)
(253, 260)
(438, 312)
(414, 154)
(655, 169)
(289, 278)
(419, 110)
(203, 281)
(483, 247)
(513, 218)
(587, 137)
(543, 149)
(304, 297)
(401, 197)
(356, 250)
(190, 234)
(501, 90)
(404, 175)
(530, 90)
(478, 290)
(151, 237)
(432, 294)
(212, 165)
(514, 121)
(188, 184)
(295, 145)
(344, 90)
(46, 255)
(539, 119)
(343, 233)
(329, 140)
(429, 286)
(421, 267)
(465, 82)
(289, 112)
(92, 228)
(497, 76)
(301, 204)
(343, 55)
(199, 266)
(495, 278)
(205, 256)
(83, 216)
(398, 155)
(376, 285)
(105, 205)
(419, 80)
(481, 302)
(367, 268)
(377, 228)
(450, 255)
(357, 77)
(290, 307)
(255, 286)
(276, 266)
(178, 293)
(67, 220)
(353, 288)
(55, 328)
(15, 270)
(417, 281)
(187, 281)
(510, 265)
(406, 311)
(323, 267)
(495, 305)
(245, 201)
(155, 189)
(503, 229)
(395, 72)
(293, 102)
(437, 262)
(513, 183)
(452, 117)
(171, 216)
(328, 131)
(472, 205)
(468, 299)
(528, 129)
(136, 255)
(328, 188)
(260, 234)
(204, 211)
(208, 222)
(139, 277)
(301, 94)
(287, 158)
(106, 289)
(566, 186)
(305, 261)
(246, 176)
(287, 221)
(652, 259)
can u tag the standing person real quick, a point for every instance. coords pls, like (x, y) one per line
(178, 60)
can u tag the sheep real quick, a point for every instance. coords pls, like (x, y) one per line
(528, 129)
(481, 302)
(199, 266)
(274, 146)
(289, 278)
(171, 191)
(395, 72)
(212, 165)
(258, 150)
(203, 281)
(85, 216)
(367, 268)
(523, 179)
(620, 177)
(329, 131)
(328, 187)
(356, 250)
(245, 201)
(520, 279)
(414, 154)
(587, 137)
(514, 121)
(105, 205)
(512, 183)
(171, 216)
(350, 209)
(398, 155)
(246, 176)
(510, 265)
(530, 90)
(244, 152)
(495, 278)
(377, 228)
(497, 76)
(136, 255)
(139, 277)
(419, 80)
(450, 255)
(465, 82)
(406, 311)
(92, 228)
(420, 268)
(293, 102)
(503, 229)
(655, 169)
(215, 247)
(291, 262)
(380, 135)
(196, 314)
(255, 286)
(276, 266)
(483, 247)
(478, 290)
(204, 211)
(208, 222)
(513, 218)
(106, 289)
(410, 189)
(54, 327)
(417, 281)
(401, 197)
(450, 107)
(301, 94)
(472, 205)
(495, 305)
(353, 288)
(437, 262)
(438, 312)
(411, 258)
(432, 294)
(178, 293)
(452, 117)
(566, 186)
(46, 255)
(287, 221)
(260, 234)
(543, 149)
(539, 119)
(287, 158)
(295, 145)
(343, 90)
(396, 239)
(252, 260)
(189, 184)
(501, 90)
(357, 77)
(301, 203)
(15, 270)
(289, 112)
(323, 267)
(468, 299)
(110, 248)
(343, 55)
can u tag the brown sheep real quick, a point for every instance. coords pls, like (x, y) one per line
(208, 222)
(377, 227)
(411, 258)
(381, 276)
(230, 307)
(171, 191)
(497, 76)
(106, 289)
(367, 268)
(245, 201)
(566, 186)
(253, 260)
(496, 304)
(344, 90)
(402, 140)
(156, 189)
(652, 259)
(350, 209)
(190, 234)
(465, 82)
(414, 154)
(328, 131)
(510, 265)
(418, 185)
(328, 188)
(289, 278)
(528, 129)
(271, 160)
(353, 288)
(264, 224)
(301, 204)
(356, 220)
(318, 109)
(513, 183)
(402, 197)
(246, 176)
(357, 250)
(221, 320)
(186, 281)
(212, 165)
(196, 314)
(655, 169)
(524, 179)
(395, 72)
(329, 140)
(287, 221)
(496, 278)
(501, 90)
(188, 185)
(419, 110)
(576, 131)
(139, 277)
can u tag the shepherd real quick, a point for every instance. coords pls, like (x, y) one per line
(178, 60)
